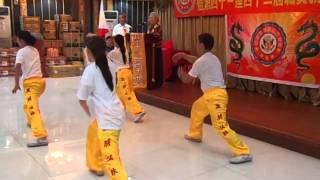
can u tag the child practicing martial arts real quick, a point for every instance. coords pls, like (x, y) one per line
(124, 79)
(109, 43)
(28, 68)
(214, 100)
(99, 100)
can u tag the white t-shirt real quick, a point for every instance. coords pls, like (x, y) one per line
(122, 30)
(208, 69)
(29, 59)
(115, 56)
(104, 104)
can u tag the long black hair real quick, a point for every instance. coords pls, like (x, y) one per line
(119, 39)
(97, 46)
(27, 37)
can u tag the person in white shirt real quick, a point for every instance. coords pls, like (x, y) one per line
(214, 100)
(109, 44)
(28, 68)
(122, 28)
(99, 100)
(125, 88)
(84, 51)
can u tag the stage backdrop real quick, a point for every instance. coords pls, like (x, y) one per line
(280, 48)
(188, 8)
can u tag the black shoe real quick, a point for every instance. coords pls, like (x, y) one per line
(38, 142)
(97, 173)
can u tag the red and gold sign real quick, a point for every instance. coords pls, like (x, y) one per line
(276, 47)
(185, 6)
(189, 8)
(268, 43)
(138, 55)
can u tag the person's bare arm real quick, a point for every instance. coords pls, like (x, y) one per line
(17, 78)
(85, 107)
(181, 55)
(185, 77)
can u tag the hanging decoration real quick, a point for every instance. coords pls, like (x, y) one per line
(189, 8)
(282, 48)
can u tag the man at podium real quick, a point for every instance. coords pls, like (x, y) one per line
(153, 45)
(122, 28)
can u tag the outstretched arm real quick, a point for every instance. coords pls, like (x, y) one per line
(185, 78)
(181, 55)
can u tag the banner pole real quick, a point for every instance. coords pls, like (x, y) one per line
(63, 11)
(34, 7)
(56, 3)
(12, 18)
(49, 7)
(41, 2)
(226, 45)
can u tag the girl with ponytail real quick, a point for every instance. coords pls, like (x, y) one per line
(100, 102)
(28, 68)
(124, 85)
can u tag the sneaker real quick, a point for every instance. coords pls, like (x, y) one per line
(187, 137)
(139, 117)
(38, 142)
(97, 173)
(241, 159)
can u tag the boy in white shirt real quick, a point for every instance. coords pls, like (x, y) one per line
(122, 28)
(214, 100)
(99, 100)
(28, 68)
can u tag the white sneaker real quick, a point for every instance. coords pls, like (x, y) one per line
(38, 142)
(241, 159)
(139, 117)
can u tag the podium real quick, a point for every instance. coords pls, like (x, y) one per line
(146, 60)
(135, 44)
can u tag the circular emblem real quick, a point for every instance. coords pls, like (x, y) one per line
(268, 43)
(185, 6)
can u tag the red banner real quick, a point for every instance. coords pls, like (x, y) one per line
(277, 47)
(189, 8)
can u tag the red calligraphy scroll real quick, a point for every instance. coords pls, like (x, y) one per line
(189, 8)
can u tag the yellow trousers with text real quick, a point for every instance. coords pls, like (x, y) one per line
(33, 88)
(126, 93)
(214, 103)
(103, 152)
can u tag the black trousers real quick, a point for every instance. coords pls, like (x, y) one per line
(155, 74)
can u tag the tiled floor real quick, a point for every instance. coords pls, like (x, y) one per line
(154, 150)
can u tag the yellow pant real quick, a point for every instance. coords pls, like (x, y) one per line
(33, 89)
(214, 103)
(126, 93)
(103, 152)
